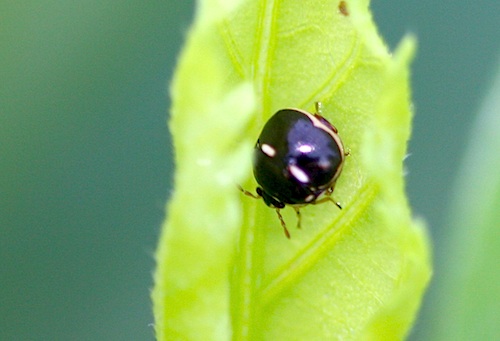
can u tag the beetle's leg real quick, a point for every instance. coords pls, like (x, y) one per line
(297, 211)
(318, 106)
(335, 202)
(283, 224)
(327, 197)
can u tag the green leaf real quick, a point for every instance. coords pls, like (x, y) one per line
(225, 269)
(466, 294)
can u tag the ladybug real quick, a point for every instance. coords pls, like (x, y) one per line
(298, 158)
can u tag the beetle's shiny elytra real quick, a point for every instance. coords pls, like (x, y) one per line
(298, 157)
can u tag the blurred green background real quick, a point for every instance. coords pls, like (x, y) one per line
(86, 159)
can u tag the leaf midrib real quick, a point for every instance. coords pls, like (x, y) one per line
(243, 317)
(264, 48)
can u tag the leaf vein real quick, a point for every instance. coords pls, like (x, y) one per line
(314, 251)
(336, 77)
(232, 49)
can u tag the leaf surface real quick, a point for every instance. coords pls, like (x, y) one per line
(225, 269)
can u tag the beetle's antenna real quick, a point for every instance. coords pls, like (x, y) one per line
(247, 193)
